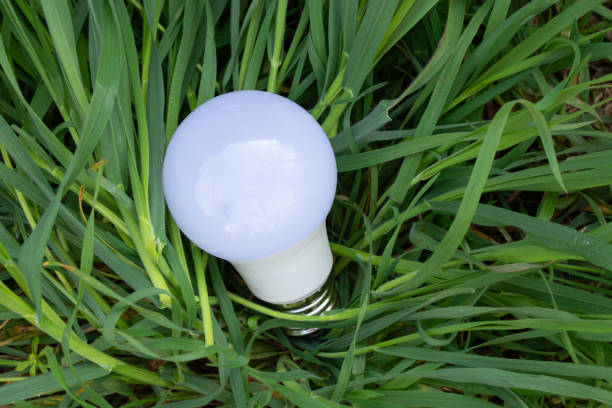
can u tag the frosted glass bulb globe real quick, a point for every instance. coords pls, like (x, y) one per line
(249, 177)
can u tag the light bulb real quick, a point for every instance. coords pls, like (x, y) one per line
(249, 177)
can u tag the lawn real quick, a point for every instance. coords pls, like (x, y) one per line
(472, 249)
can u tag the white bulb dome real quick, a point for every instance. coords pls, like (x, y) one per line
(249, 174)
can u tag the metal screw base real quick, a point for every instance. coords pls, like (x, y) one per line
(321, 301)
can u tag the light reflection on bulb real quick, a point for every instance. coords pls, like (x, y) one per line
(226, 190)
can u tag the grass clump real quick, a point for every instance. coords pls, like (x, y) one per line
(473, 253)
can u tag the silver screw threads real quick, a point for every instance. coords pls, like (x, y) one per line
(323, 300)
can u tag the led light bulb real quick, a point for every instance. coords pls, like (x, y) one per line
(249, 177)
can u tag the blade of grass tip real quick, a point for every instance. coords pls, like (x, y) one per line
(199, 262)
(547, 142)
(596, 208)
(469, 203)
(206, 89)
(376, 119)
(279, 37)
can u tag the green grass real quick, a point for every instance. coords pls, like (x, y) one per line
(472, 249)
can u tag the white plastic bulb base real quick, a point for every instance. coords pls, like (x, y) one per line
(292, 275)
